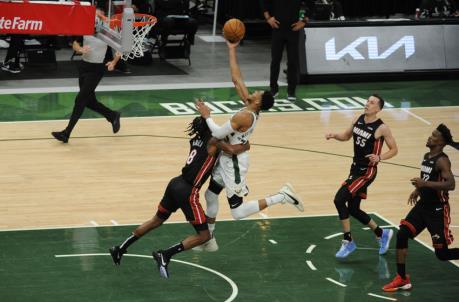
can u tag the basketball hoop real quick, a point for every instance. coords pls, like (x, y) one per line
(140, 27)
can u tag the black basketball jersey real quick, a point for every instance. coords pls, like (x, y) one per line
(199, 163)
(365, 142)
(429, 172)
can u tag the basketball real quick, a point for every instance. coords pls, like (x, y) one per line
(234, 30)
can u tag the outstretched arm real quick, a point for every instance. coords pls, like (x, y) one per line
(343, 136)
(236, 75)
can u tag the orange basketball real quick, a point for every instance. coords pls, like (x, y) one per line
(234, 30)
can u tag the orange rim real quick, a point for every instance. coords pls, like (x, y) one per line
(116, 20)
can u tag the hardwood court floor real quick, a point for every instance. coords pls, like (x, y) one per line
(102, 177)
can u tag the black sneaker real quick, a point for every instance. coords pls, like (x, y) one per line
(275, 92)
(116, 122)
(291, 97)
(11, 67)
(61, 136)
(162, 263)
(116, 253)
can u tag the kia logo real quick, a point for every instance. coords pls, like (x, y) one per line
(373, 51)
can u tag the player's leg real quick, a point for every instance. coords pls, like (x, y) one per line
(292, 64)
(286, 194)
(165, 208)
(409, 228)
(342, 198)
(438, 220)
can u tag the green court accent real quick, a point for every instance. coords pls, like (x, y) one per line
(52, 106)
(262, 270)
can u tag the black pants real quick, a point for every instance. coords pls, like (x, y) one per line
(89, 77)
(285, 38)
(16, 44)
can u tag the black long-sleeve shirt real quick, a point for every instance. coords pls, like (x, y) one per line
(285, 11)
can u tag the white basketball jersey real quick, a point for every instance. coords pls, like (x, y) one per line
(237, 137)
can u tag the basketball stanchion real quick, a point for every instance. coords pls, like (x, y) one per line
(140, 28)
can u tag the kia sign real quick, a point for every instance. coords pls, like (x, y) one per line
(331, 50)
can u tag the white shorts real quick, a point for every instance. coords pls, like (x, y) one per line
(230, 172)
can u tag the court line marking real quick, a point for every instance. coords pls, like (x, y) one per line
(416, 116)
(381, 226)
(167, 222)
(138, 87)
(311, 266)
(333, 235)
(263, 215)
(94, 223)
(234, 288)
(336, 282)
(114, 222)
(418, 240)
(382, 297)
(272, 241)
(310, 248)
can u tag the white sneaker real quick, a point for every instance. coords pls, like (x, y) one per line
(291, 197)
(209, 246)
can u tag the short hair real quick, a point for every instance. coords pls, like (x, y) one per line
(381, 100)
(199, 128)
(267, 100)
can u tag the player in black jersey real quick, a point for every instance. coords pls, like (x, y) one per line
(369, 134)
(431, 207)
(183, 192)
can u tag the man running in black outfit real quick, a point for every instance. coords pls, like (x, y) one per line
(431, 207)
(369, 134)
(183, 192)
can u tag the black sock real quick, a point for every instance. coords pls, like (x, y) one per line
(347, 236)
(177, 248)
(378, 232)
(130, 240)
(401, 270)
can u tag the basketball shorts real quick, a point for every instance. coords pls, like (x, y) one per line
(230, 172)
(180, 194)
(433, 216)
(360, 178)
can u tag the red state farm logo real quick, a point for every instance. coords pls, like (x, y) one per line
(19, 24)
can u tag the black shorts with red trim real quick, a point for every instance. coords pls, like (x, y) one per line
(433, 216)
(180, 194)
(360, 178)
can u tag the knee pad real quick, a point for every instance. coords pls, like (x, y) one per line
(212, 203)
(238, 213)
(356, 212)
(403, 234)
(215, 187)
(442, 254)
(342, 196)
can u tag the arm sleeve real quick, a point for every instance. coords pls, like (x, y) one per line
(266, 5)
(219, 132)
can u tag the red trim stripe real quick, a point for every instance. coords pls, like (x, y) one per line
(208, 164)
(377, 147)
(410, 226)
(198, 212)
(359, 182)
(446, 221)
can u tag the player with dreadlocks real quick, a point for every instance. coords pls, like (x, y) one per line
(183, 192)
(431, 207)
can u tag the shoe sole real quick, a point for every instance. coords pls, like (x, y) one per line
(391, 233)
(298, 202)
(404, 287)
(112, 252)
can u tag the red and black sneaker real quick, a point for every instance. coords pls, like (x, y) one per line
(398, 283)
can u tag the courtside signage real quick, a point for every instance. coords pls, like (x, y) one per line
(46, 18)
(335, 50)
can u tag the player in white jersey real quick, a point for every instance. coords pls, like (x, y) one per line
(230, 171)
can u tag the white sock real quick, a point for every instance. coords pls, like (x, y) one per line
(211, 228)
(246, 209)
(276, 198)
